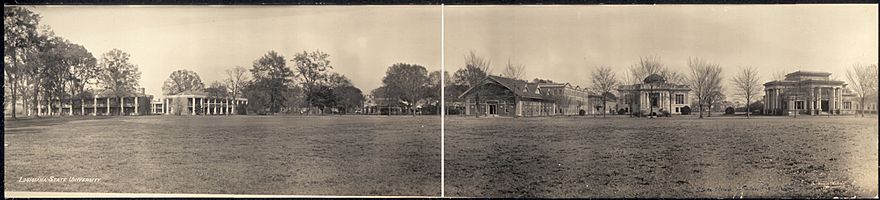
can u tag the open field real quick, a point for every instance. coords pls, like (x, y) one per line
(322, 155)
(665, 157)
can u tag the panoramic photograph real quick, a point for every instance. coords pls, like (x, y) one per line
(481, 101)
(661, 101)
(277, 100)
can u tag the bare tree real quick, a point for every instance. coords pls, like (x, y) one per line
(516, 72)
(746, 82)
(645, 67)
(705, 81)
(476, 69)
(604, 81)
(236, 79)
(863, 81)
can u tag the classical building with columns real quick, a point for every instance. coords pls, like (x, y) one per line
(653, 95)
(101, 103)
(809, 93)
(198, 103)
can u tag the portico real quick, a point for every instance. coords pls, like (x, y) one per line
(804, 92)
(199, 103)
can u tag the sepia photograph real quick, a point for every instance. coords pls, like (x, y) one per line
(426, 101)
(276, 100)
(661, 101)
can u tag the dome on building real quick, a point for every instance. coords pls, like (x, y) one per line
(654, 78)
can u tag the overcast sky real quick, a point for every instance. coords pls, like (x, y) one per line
(565, 43)
(561, 43)
(362, 40)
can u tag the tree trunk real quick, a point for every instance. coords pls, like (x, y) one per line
(862, 105)
(709, 114)
(700, 104)
(122, 107)
(604, 108)
(37, 98)
(748, 109)
(14, 96)
(477, 104)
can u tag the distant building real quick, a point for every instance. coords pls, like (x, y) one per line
(374, 105)
(500, 96)
(653, 95)
(198, 103)
(812, 93)
(596, 101)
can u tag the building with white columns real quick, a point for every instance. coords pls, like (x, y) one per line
(198, 103)
(809, 93)
(653, 95)
(101, 103)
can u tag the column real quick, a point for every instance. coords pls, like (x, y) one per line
(70, 113)
(193, 106)
(772, 102)
(839, 99)
(766, 101)
(810, 101)
(108, 106)
(82, 107)
(95, 106)
(202, 104)
(135, 105)
(235, 102)
(165, 106)
(818, 100)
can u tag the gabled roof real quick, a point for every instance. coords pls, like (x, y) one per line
(519, 87)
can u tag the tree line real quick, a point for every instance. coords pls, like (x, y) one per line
(41, 68)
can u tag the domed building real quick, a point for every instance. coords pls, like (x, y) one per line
(653, 95)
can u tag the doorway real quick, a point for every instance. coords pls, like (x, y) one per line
(493, 109)
(825, 106)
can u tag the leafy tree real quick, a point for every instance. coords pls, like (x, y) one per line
(406, 82)
(604, 82)
(119, 76)
(52, 73)
(182, 81)
(19, 39)
(434, 87)
(347, 98)
(273, 77)
(311, 69)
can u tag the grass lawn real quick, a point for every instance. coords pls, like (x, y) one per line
(320, 155)
(665, 157)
